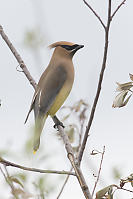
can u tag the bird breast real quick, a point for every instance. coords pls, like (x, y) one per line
(65, 90)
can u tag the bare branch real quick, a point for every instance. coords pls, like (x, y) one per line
(124, 189)
(81, 118)
(107, 28)
(99, 85)
(122, 3)
(94, 12)
(99, 171)
(18, 58)
(72, 159)
(7, 163)
(9, 182)
(64, 184)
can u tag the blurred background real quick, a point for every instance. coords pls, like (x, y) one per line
(31, 26)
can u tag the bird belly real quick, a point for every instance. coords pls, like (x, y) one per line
(60, 98)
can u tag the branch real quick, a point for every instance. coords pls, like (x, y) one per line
(7, 163)
(122, 3)
(81, 118)
(18, 58)
(72, 159)
(69, 149)
(100, 167)
(63, 186)
(94, 12)
(124, 189)
(9, 182)
(99, 85)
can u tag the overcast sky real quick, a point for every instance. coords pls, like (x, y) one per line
(71, 21)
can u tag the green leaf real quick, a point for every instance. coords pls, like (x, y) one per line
(124, 87)
(21, 176)
(120, 100)
(126, 101)
(70, 134)
(41, 183)
(116, 173)
(102, 192)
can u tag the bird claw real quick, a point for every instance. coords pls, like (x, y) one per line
(59, 124)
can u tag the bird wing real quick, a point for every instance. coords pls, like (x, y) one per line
(32, 104)
(49, 89)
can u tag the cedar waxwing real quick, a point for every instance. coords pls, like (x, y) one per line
(54, 86)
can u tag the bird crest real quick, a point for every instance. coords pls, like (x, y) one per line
(60, 43)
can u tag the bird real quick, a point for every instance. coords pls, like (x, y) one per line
(53, 87)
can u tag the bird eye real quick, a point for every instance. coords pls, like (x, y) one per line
(67, 47)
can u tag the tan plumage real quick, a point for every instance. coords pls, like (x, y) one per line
(54, 86)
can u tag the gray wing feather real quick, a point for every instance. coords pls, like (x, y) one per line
(32, 105)
(49, 90)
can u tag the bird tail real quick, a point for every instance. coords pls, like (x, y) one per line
(39, 123)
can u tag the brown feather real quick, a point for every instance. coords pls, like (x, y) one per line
(59, 43)
(53, 87)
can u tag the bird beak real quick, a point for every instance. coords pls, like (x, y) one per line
(78, 47)
(75, 50)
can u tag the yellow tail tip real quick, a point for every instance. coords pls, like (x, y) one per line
(34, 152)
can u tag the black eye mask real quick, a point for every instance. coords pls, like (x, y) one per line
(67, 47)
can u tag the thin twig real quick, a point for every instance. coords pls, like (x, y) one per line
(101, 73)
(99, 85)
(122, 3)
(82, 122)
(7, 163)
(94, 12)
(99, 171)
(124, 189)
(9, 182)
(18, 57)
(114, 185)
(64, 184)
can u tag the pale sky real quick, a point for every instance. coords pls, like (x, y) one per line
(71, 21)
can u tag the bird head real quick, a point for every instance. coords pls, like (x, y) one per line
(66, 48)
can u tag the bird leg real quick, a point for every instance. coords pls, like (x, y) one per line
(57, 122)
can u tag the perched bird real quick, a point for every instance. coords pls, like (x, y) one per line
(54, 86)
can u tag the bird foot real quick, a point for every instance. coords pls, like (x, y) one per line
(57, 122)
